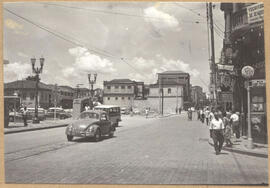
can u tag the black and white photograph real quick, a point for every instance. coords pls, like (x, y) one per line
(134, 93)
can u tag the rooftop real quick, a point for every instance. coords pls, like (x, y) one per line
(117, 81)
(25, 84)
(173, 72)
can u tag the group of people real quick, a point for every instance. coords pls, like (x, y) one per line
(223, 126)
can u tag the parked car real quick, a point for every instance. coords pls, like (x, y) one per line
(58, 113)
(124, 111)
(17, 116)
(91, 124)
(136, 111)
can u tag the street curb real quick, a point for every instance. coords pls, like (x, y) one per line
(35, 129)
(262, 155)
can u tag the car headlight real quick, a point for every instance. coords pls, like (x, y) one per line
(70, 127)
(91, 129)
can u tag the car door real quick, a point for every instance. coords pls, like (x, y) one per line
(104, 124)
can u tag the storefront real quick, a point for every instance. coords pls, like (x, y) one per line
(258, 111)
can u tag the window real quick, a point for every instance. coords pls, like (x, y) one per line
(129, 87)
(108, 98)
(116, 87)
(128, 98)
(108, 87)
(32, 96)
(24, 96)
(122, 87)
(123, 98)
(116, 98)
(169, 90)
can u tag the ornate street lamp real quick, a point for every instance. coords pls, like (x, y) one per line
(248, 72)
(37, 71)
(91, 83)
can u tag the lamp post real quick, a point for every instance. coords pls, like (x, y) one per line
(37, 71)
(91, 83)
(248, 72)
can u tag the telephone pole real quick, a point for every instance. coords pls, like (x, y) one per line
(213, 80)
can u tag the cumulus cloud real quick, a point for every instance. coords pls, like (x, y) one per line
(149, 68)
(21, 54)
(16, 27)
(16, 70)
(159, 19)
(11, 24)
(86, 62)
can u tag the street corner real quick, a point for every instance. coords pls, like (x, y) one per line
(240, 146)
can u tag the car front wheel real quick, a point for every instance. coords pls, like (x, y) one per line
(97, 136)
(111, 134)
(69, 137)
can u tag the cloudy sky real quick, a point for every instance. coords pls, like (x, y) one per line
(133, 40)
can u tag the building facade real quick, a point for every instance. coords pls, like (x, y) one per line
(244, 46)
(170, 92)
(26, 91)
(198, 97)
(121, 92)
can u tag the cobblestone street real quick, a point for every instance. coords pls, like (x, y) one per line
(167, 150)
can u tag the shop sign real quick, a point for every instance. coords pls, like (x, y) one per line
(225, 67)
(258, 83)
(226, 97)
(255, 13)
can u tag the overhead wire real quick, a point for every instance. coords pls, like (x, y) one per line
(60, 36)
(116, 13)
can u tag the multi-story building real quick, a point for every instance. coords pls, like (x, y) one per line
(170, 92)
(198, 97)
(121, 92)
(26, 91)
(140, 90)
(244, 46)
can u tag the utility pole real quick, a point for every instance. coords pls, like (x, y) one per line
(162, 97)
(55, 100)
(213, 65)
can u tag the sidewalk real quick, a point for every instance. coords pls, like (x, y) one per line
(240, 146)
(47, 124)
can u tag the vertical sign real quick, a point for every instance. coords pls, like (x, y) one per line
(255, 13)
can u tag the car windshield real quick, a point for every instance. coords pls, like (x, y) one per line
(90, 115)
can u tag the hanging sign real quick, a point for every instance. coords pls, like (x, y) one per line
(255, 13)
(225, 67)
(258, 83)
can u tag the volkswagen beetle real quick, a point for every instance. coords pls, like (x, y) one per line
(90, 124)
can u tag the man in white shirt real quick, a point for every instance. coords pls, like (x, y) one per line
(234, 119)
(207, 112)
(216, 130)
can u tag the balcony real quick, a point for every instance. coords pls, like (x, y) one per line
(239, 20)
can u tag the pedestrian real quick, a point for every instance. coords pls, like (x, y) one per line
(146, 113)
(211, 114)
(217, 129)
(207, 112)
(202, 115)
(180, 109)
(24, 114)
(189, 114)
(176, 110)
(228, 129)
(199, 114)
(235, 124)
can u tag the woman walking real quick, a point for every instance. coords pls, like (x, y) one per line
(228, 129)
(217, 129)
